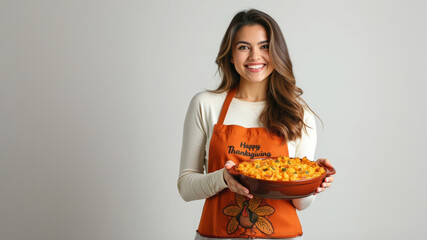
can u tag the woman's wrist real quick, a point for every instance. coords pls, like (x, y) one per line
(223, 183)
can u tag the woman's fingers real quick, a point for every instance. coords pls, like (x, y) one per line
(325, 162)
(229, 164)
(323, 187)
(329, 179)
(234, 185)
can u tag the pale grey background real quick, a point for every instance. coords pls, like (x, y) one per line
(93, 96)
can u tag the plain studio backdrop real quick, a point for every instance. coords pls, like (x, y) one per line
(93, 96)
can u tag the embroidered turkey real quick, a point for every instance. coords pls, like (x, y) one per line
(248, 214)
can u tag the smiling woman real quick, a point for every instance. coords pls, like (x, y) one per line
(256, 111)
(245, 42)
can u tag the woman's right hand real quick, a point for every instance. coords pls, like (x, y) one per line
(232, 184)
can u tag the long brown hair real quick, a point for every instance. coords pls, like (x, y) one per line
(284, 111)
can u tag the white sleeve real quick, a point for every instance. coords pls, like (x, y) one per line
(193, 183)
(305, 147)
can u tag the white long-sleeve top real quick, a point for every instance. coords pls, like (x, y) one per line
(194, 182)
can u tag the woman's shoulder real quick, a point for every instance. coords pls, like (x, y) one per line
(308, 113)
(208, 98)
(309, 117)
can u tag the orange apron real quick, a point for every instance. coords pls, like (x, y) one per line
(230, 215)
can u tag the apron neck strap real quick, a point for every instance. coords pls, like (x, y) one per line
(226, 104)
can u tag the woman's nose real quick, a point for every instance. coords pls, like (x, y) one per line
(255, 55)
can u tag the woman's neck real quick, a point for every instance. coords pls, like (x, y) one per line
(252, 92)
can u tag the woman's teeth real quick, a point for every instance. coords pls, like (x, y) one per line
(255, 66)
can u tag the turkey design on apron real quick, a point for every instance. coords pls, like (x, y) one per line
(230, 215)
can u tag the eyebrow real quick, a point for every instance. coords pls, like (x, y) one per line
(243, 42)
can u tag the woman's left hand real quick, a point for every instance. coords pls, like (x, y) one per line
(328, 179)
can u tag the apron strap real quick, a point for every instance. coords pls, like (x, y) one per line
(226, 104)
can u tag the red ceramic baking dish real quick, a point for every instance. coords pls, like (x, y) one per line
(280, 189)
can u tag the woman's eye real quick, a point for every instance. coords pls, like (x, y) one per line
(264, 46)
(243, 47)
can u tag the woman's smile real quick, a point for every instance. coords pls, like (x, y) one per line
(255, 67)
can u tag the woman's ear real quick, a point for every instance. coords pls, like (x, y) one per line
(231, 60)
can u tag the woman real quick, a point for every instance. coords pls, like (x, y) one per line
(256, 111)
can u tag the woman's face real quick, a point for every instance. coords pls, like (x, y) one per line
(250, 54)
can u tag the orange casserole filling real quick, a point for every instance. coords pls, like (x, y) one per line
(281, 169)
